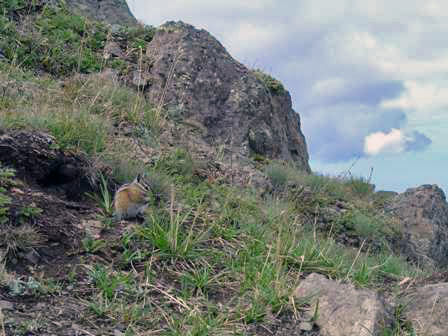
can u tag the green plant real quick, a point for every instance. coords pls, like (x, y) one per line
(362, 275)
(108, 282)
(364, 224)
(138, 36)
(72, 130)
(56, 41)
(177, 163)
(168, 235)
(272, 84)
(105, 199)
(21, 288)
(91, 245)
(198, 279)
(5, 277)
(23, 238)
(160, 185)
(278, 175)
(399, 325)
(5, 201)
(7, 176)
(359, 187)
(30, 211)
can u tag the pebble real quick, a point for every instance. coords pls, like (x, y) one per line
(6, 305)
(306, 326)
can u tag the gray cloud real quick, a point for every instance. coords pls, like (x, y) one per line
(418, 142)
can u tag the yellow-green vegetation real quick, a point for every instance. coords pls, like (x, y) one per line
(20, 235)
(6, 179)
(55, 40)
(81, 113)
(272, 84)
(232, 257)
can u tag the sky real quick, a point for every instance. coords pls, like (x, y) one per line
(368, 78)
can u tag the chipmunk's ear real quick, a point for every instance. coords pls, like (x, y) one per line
(138, 178)
(141, 177)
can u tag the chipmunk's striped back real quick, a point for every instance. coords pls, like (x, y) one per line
(131, 199)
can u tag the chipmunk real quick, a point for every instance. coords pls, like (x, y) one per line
(131, 199)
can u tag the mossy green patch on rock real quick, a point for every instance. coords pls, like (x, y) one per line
(272, 84)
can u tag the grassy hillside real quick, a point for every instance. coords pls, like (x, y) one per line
(213, 255)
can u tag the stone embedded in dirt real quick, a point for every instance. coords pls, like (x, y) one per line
(118, 333)
(140, 79)
(92, 227)
(194, 77)
(306, 326)
(427, 308)
(113, 49)
(343, 310)
(6, 305)
(32, 256)
(424, 214)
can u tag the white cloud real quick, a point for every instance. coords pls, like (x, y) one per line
(396, 141)
(379, 142)
(423, 97)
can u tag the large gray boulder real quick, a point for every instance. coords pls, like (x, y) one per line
(110, 11)
(194, 78)
(423, 212)
(427, 309)
(343, 310)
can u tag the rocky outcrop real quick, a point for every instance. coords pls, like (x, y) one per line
(423, 212)
(195, 78)
(110, 11)
(341, 309)
(427, 309)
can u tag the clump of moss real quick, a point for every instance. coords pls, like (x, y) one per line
(274, 85)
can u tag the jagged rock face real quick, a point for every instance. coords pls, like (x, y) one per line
(424, 214)
(110, 11)
(194, 77)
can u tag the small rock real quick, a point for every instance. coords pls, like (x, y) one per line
(113, 49)
(306, 326)
(92, 227)
(118, 333)
(6, 305)
(342, 310)
(116, 28)
(32, 256)
(140, 79)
